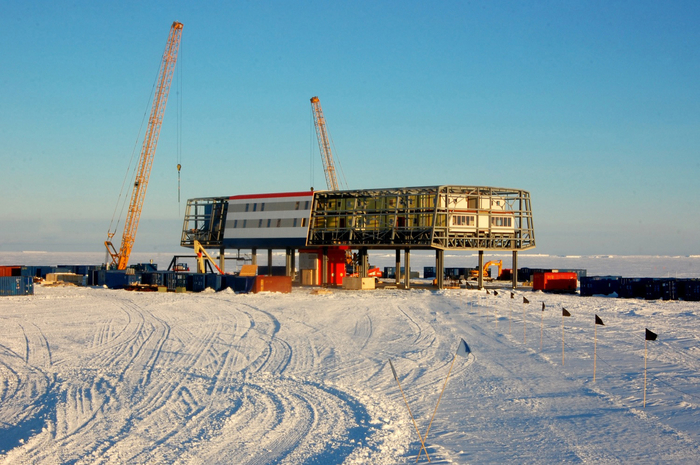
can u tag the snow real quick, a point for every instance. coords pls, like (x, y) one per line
(91, 375)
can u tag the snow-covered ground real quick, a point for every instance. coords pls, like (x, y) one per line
(90, 375)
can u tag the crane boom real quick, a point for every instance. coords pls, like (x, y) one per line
(324, 145)
(148, 150)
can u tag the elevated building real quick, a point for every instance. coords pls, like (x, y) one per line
(434, 217)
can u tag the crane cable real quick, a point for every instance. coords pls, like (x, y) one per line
(179, 128)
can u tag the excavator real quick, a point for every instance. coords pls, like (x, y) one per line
(499, 263)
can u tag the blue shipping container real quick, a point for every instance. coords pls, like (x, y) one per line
(689, 289)
(16, 285)
(599, 285)
(196, 282)
(214, 281)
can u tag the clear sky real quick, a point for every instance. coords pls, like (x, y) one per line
(593, 107)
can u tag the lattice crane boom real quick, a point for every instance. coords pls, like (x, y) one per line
(148, 150)
(324, 145)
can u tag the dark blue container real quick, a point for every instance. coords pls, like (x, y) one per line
(429, 272)
(196, 282)
(631, 288)
(16, 285)
(175, 280)
(29, 271)
(66, 269)
(154, 278)
(389, 272)
(117, 279)
(661, 288)
(240, 284)
(213, 281)
(689, 289)
(599, 285)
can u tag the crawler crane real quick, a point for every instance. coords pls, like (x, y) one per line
(150, 141)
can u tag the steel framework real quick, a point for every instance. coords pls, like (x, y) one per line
(418, 218)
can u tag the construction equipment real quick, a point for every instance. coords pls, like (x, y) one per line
(324, 145)
(201, 255)
(150, 141)
(498, 263)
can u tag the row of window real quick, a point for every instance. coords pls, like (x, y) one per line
(463, 220)
(268, 206)
(271, 223)
(504, 221)
(470, 220)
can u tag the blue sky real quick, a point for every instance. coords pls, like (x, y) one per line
(593, 107)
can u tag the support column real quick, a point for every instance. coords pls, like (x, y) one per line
(398, 266)
(407, 269)
(269, 262)
(515, 269)
(324, 269)
(222, 259)
(288, 262)
(254, 257)
(294, 264)
(440, 268)
(481, 269)
(364, 262)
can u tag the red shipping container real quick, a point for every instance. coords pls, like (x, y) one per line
(273, 284)
(7, 271)
(555, 282)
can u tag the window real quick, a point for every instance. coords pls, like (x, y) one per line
(303, 222)
(262, 207)
(279, 222)
(296, 207)
(306, 205)
(260, 223)
(269, 222)
(244, 223)
(246, 207)
(255, 207)
(235, 223)
(295, 223)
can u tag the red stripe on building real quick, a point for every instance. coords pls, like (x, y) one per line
(271, 196)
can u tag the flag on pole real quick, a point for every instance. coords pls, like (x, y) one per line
(487, 292)
(463, 349)
(512, 295)
(393, 371)
(543, 306)
(495, 292)
(650, 336)
(565, 312)
(598, 321)
(525, 301)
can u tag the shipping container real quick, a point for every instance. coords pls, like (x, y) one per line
(661, 288)
(213, 281)
(429, 272)
(273, 284)
(599, 285)
(631, 288)
(174, 280)
(689, 289)
(196, 282)
(579, 272)
(16, 285)
(117, 279)
(239, 284)
(10, 271)
(554, 282)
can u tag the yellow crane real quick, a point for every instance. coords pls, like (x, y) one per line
(324, 145)
(150, 141)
